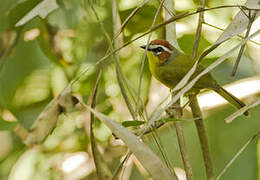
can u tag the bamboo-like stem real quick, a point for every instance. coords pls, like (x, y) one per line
(183, 149)
(181, 141)
(196, 112)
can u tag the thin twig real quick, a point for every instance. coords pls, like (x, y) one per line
(198, 31)
(118, 68)
(119, 73)
(127, 20)
(195, 106)
(184, 152)
(143, 59)
(237, 154)
(115, 173)
(102, 170)
(167, 9)
(162, 150)
(241, 111)
(251, 20)
(196, 112)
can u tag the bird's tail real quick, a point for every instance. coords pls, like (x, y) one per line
(231, 98)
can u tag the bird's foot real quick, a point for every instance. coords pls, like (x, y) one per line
(173, 109)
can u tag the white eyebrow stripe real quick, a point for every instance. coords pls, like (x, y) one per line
(154, 46)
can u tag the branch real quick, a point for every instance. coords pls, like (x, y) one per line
(102, 170)
(198, 31)
(196, 112)
(251, 20)
(143, 60)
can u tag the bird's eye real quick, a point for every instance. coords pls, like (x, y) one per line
(159, 49)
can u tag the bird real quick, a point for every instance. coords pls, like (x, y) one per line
(169, 65)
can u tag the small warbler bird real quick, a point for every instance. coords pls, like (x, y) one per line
(168, 65)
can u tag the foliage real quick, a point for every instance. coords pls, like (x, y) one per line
(47, 46)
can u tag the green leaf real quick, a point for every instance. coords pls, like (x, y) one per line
(132, 123)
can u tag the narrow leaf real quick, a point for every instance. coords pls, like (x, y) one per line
(238, 24)
(132, 123)
(146, 156)
(170, 28)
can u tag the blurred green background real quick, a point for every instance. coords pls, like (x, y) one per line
(40, 58)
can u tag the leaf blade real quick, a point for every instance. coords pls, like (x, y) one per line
(145, 155)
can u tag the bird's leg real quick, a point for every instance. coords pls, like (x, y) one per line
(190, 99)
(179, 108)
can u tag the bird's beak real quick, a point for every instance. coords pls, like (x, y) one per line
(144, 46)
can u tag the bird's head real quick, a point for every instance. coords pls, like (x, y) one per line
(159, 50)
